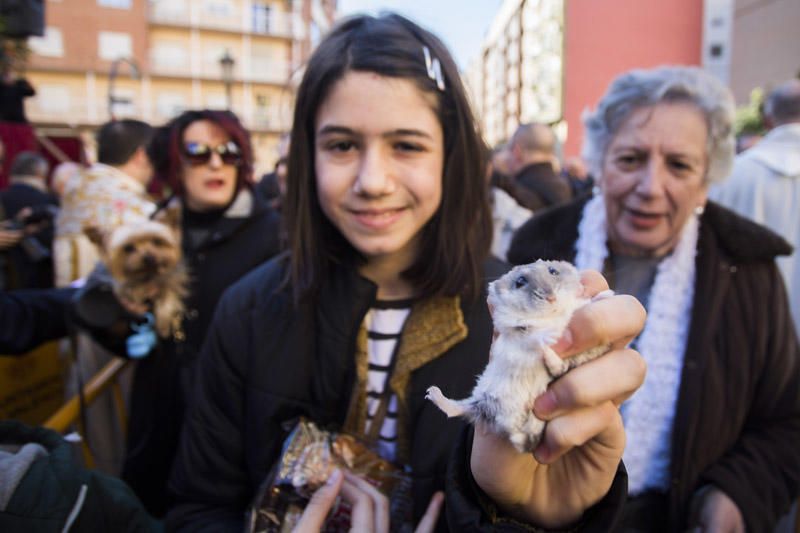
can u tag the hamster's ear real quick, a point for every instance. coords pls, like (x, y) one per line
(96, 235)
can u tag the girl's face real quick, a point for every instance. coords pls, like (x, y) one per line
(209, 177)
(379, 158)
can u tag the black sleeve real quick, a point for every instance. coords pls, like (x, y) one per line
(209, 481)
(470, 509)
(25, 88)
(97, 311)
(29, 318)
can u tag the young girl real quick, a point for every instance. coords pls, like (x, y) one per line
(381, 295)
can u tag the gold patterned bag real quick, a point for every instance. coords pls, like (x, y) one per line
(308, 457)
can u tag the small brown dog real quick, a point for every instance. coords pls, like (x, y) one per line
(144, 260)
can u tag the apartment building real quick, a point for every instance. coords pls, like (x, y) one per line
(548, 60)
(518, 77)
(152, 59)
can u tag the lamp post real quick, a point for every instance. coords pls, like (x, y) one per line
(112, 75)
(227, 62)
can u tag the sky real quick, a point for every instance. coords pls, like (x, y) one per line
(461, 24)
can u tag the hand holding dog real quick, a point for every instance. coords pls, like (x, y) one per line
(575, 465)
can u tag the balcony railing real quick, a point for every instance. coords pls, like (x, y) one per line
(271, 119)
(83, 111)
(278, 23)
(260, 71)
(269, 71)
(169, 68)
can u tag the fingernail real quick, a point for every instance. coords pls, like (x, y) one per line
(334, 477)
(545, 404)
(564, 342)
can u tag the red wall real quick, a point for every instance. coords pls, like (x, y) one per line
(604, 38)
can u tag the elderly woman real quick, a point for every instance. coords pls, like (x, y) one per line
(712, 434)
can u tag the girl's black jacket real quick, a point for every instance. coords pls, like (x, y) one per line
(268, 360)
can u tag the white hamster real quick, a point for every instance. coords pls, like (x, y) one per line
(532, 305)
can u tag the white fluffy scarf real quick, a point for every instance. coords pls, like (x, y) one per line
(649, 414)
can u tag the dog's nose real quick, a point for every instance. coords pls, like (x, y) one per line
(149, 261)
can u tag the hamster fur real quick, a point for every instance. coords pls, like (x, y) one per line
(531, 307)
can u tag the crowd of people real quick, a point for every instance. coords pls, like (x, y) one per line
(353, 277)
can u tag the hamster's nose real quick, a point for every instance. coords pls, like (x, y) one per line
(551, 298)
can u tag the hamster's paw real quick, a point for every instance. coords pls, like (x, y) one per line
(519, 440)
(450, 407)
(434, 394)
(534, 431)
(608, 293)
(555, 366)
(525, 442)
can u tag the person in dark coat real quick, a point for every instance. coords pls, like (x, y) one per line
(43, 488)
(226, 232)
(389, 232)
(13, 92)
(28, 201)
(272, 186)
(537, 183)
(712, 434)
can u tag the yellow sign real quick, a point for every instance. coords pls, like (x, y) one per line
(31, 385)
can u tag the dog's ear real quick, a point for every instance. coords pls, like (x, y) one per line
(96, 235)
(170, 216)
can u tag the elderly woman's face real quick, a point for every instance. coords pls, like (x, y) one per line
(654, 177)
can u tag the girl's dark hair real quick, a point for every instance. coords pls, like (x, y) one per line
(167, 147)
(456, 240)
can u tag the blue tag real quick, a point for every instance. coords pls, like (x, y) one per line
(141, 343)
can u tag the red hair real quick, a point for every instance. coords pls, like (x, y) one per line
(171, 166)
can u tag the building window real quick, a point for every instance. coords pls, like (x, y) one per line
(51, 45)
(170, 55)
(53, 98)
(219, 8)
(113, 45)
(119, 4)
(169, 10)
(261, 18)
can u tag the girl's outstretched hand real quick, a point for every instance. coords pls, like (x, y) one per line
(575, 464)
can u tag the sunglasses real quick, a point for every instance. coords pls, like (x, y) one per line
(200, 153)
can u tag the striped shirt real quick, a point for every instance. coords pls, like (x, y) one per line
(384, 324)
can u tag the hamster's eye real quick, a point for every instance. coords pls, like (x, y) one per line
(128, 248)
(553, 271)
(520, 282)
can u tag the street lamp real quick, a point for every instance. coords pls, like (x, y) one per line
(112, 75)
(227, 62)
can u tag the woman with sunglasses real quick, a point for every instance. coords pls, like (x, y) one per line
(207, 160)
